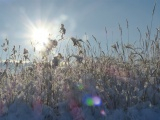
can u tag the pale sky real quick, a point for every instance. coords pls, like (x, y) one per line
(18, 17)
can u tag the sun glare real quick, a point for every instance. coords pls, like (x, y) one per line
(40, 37)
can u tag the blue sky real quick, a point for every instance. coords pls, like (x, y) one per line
(79, 17)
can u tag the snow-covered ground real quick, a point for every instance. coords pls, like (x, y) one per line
(21, 111)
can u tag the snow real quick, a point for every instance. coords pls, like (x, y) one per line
(21, 111)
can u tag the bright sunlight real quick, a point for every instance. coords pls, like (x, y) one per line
(40, 37)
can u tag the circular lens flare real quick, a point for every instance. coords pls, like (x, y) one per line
(103, 112)
(97, 100)
(80, 86)
(92, 101)
(89, 101)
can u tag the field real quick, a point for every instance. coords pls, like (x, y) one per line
(121, 83)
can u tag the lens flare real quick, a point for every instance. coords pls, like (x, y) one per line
(103, 112)
(89, 101)
(92, 101)
(80, 86)
(97, 100)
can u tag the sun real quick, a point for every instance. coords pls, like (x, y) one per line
(39, 33)
(40, 37)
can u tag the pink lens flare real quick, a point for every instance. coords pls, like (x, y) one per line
(103, 112)
(97, 100)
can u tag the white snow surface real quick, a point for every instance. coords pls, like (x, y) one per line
(21, 111)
